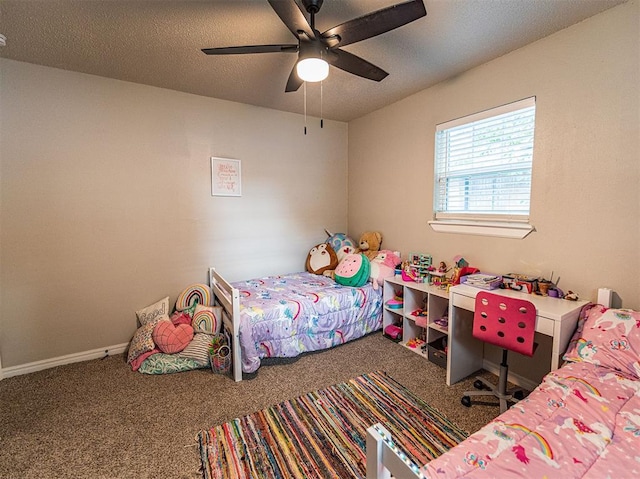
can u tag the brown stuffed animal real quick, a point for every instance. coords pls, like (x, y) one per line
(321, 258)
(370, 243)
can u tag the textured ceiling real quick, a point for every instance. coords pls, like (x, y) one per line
(158, 42)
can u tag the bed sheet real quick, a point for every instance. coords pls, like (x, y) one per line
(283, 316)
(582, 421)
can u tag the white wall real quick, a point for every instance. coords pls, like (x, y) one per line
(106, 202)
(586, 173)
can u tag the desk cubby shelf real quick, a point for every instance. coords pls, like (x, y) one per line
(416, 296)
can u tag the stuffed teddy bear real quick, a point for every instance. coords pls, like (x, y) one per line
(383, 266)
(369, 244)
(321, 258)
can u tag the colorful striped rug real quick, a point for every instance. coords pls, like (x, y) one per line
(322, 434)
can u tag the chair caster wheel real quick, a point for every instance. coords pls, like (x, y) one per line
(519, 395)
(466, 401)
(478, 384)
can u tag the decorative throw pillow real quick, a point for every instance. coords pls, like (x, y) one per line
(353, 270)
(190, 310)
(341, 244)
(172, 339)
(196, 293)
(142, 341)
(321, 258)
(155, 312)
(180, 317)
(207, 319)
(609, 338)
(198, 349)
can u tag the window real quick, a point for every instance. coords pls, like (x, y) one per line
(483, 172)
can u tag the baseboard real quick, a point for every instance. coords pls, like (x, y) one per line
(516, 379)
(62, 360)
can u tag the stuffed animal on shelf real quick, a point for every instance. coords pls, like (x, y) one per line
(370, 243)
(383, 266)
(321, 258)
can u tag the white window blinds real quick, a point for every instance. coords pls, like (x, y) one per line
(483, 164)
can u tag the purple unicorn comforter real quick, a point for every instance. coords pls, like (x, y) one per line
(283, 316)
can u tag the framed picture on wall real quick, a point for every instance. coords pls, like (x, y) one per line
(226, 177)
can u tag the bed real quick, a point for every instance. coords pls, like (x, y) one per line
(583, 420)
(286, 315)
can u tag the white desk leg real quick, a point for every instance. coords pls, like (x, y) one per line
(562, 333)
(465, 353)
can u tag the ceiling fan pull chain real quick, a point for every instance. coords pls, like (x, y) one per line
(304, 86)
(321, 115)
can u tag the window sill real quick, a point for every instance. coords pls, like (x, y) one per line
(495, 229)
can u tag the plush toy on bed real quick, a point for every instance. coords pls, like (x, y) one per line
(321, 258)
(341, 244)
(354, 270)
(383, 266)
(369, 244)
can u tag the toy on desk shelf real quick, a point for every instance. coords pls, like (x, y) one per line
(443, 322)
(520, 282)
(415, 343)
(420, 265)
(461, 269)
(394, 332)
(420, 316)
(571, 296)
(397, 302)
(460, 262)
(460, 272)
(408, 274)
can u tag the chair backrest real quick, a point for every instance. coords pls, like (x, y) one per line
(506, 322)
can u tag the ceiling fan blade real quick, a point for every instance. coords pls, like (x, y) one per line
(292, 16)
(294, 82)
(251, 49)
(375, 23)
(353, 64)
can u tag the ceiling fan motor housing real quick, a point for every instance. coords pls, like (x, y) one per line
(312, 6)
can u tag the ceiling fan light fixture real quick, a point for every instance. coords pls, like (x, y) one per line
(312, 69)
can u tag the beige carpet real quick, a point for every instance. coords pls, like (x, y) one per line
(98, 419)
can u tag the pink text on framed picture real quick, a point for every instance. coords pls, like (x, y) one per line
(226, 179)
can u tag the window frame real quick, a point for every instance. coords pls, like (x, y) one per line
(507, 225)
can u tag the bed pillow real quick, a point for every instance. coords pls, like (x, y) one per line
(155, 312)
(609, 338)
(207, 319)
(170, 338)
(196, 293)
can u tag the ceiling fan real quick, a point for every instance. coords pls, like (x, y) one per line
(317, 50)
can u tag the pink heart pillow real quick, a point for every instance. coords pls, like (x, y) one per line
(170, 338)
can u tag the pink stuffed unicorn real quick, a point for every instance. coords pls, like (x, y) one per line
(383, 266)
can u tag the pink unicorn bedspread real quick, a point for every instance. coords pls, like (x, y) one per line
(582, 421)
(283, 316)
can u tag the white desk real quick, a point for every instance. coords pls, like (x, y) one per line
(556, 318)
